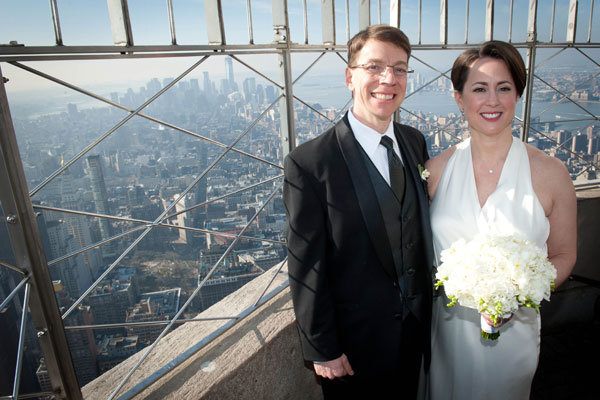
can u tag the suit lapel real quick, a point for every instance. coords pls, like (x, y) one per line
(367, 201)
(411, 165)
(410, 160)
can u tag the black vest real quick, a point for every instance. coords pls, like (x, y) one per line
(404, 230)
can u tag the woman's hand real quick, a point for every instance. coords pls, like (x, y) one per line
(499, 323)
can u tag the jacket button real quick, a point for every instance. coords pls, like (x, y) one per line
(411, 297)
(398, 316)
(410, 271)
(408, 245)
(395, 284)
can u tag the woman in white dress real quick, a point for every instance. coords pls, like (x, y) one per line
(493, 182)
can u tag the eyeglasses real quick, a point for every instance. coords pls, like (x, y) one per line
(379, 69)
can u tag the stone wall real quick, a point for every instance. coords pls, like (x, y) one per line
(258, 358)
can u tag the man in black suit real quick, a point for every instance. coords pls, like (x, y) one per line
(359, 239)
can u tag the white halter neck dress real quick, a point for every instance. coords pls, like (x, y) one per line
(465, 366)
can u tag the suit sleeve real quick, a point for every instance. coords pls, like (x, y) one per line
(422, 143)
(307, 242)
(417, 143)
(424, 147)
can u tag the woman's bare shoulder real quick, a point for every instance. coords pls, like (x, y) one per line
(439, 162)
(550, 178)
(544, 165)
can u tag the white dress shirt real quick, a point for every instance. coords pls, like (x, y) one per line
(370, 140)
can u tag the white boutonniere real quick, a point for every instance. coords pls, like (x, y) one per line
(423, 173)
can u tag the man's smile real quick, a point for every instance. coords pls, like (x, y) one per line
(383, 96)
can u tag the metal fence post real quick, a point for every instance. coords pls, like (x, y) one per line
(120, 24)
(286, 104)
(530, 64)
(29, 253)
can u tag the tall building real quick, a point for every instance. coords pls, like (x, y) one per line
(198, 215)
(149, 209)
(249, 87)
(260, 94)
(154, 306)
(270, 93)
(225, 87)
(229, 69)
(109, 304)
(72, 272)
(167, 81)
(579, 144)
(216, 289)
(194, 85)
(82, 344)
(563, 136)
(101, 203)
(207, 84)
(592, 146)
(72, 110)
(153, 86)
(78, 225)
(113, 350)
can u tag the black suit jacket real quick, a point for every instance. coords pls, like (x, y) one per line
(340, 261)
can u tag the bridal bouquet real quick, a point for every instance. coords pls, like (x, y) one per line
(495, 275)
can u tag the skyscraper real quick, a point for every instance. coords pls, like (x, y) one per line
(72, 272)
(82, 344)
(229, 68)
(207, 83)
(249, 87)
(101, 202)
(77, 225)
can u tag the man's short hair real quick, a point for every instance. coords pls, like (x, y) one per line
(384, 33)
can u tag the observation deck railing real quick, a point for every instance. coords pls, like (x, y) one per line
(553, 27)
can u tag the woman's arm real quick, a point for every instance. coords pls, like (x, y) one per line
(436, 166)
(557, 194)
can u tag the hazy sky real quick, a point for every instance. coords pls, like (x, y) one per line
(86, 22)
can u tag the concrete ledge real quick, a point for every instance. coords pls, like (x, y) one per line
(588, 234)
(259, 358)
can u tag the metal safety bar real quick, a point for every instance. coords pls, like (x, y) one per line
(25, 239)
(27, 248)
(160, 218)
(204, 341)
(149, 349)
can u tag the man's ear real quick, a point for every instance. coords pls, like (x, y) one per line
(349, 84)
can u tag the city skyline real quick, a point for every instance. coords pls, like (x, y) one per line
(32, 25)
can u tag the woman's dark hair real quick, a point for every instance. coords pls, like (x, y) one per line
(494, 49)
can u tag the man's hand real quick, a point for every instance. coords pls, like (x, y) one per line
(334, 368)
